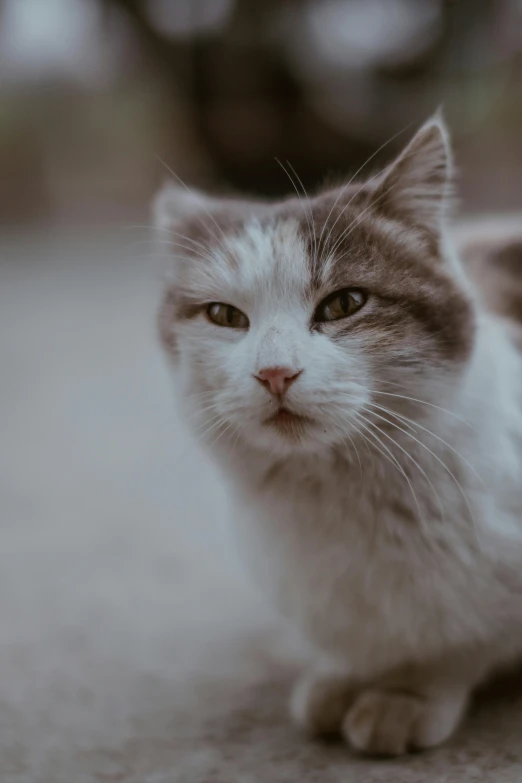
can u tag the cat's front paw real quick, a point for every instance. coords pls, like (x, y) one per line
(382, 723)
(320, 703)
(391, 723)
(376, 721)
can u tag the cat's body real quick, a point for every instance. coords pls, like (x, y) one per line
(376, 455)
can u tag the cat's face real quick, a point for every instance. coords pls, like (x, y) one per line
(295, 326)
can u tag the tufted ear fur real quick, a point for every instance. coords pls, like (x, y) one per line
(416, 188)
(175, 204)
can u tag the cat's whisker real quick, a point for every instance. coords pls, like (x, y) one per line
(416, 464)
(391, 458)
(233, 445)
(200, 411)
(211, 429)
(462, 392)
(472, 395)
(423, 402)
(393, 440)
(205, 402)
(423, 445)
(389, 412)
(220, 435)
(414, 399)
(359, 419)
(168, 240)
(335, 421)
(400, 416)
(164, 245)
(436, 457)
(206, 249)
(170, 243)
(190, 256)
(376, 426)
(207, 422)
(365, 440)
(198, 395)
(198, 430)
(309, 206)
(307, 211)
(369, 445)
(146, 227)
(157, 256)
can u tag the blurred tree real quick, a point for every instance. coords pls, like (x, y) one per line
(256, 84)
(244, 104)
(222, 87)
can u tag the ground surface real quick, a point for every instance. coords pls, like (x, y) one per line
(130, 651)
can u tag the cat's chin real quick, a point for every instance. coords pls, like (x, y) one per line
(289, 425)
(287, 433)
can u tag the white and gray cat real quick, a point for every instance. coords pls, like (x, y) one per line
(363, 393)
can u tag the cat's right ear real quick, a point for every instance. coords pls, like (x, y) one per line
(416, 187)
(174, 204)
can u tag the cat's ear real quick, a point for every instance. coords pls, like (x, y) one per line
(416, 188)
(175, 204)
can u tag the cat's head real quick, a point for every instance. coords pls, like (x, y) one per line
(294, 326)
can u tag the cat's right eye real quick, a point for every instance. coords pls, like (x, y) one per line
(340, 304)
(227, 315)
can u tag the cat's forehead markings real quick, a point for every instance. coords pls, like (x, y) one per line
(272, 253)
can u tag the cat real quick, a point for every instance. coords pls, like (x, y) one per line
(364, 400)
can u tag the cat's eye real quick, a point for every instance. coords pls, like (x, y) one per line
(227, 315)
(340, 304)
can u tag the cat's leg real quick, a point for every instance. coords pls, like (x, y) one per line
(412, 708)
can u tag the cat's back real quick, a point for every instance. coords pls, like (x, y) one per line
(491, 251)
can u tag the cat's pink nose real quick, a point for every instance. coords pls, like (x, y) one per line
(277, 379)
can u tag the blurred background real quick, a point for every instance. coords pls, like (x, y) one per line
(92, 91)
(112, 523)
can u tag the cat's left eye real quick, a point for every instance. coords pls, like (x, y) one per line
(227, 315)
(340, 304)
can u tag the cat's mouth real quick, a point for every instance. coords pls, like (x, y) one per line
(288, 423)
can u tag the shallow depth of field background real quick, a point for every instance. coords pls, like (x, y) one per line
(91, 91)
(111, 521)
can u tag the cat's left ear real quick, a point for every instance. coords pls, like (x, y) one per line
(174, 204)
(416, 188)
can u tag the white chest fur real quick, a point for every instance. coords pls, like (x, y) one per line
(374, 574)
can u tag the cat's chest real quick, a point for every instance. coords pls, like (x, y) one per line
(353, 568)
